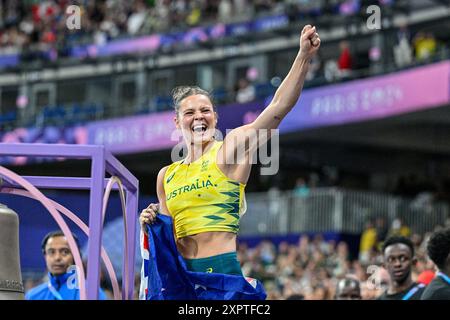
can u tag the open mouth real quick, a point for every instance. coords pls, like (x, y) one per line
(199, 128)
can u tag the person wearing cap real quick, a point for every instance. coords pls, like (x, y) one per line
(61, 284)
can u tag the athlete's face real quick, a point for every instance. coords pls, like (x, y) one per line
(398, 261)
(196, 119)
(58, 256)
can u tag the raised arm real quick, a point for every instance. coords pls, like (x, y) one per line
(283, 101)
(289, 91)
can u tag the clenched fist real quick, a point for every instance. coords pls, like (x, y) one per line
(148, 215)
(309, 42)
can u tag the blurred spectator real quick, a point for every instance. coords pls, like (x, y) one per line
(163, 14)
(304, 248)
(331, 70)
(423, 202)
(338, 260)
(345, 60)
(438, 249)
(245, 91)
(301, 188)
(195, 14)
(273, 292)
(267, 253)
(424, 46)
(376, 284)
(314, 180)
(137, 285)
(348, 289)
(179, 11)
(105, 284)
(375, 59)
(399, 259)
(417, 240)
(60, 284)
(426, 277)
(330, 176)
(296, 296)
(402, 49)
(321, 293)
(292, 10)
(225, 11)
(314, 68)
(137, 18)
(262, 5)
(399, 229)
(381, 229)
(368, 242)
(320, 245)
(243, 9)
(283, 249)
(314, 269)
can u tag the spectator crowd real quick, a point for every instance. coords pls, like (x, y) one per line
(25, 23)
(311, 268)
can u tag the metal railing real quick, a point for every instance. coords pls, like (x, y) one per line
(335, 210)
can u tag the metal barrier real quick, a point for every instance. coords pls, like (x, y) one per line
(336, 210)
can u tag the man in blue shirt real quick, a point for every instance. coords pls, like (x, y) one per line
(61, 274)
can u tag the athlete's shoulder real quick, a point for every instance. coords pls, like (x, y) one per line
(164, 169)
(171, 166)
(438, 289)
(162, 173)
(437, 294)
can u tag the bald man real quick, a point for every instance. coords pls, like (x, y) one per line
(348, 289)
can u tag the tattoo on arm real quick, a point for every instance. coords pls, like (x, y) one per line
(277, 118)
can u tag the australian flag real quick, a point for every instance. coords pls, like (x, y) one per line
(164, 275)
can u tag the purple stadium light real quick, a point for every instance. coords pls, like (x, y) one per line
(102, 162)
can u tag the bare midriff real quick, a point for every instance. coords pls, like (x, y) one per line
(206, 244)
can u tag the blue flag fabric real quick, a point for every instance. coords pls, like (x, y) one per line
(164, 275)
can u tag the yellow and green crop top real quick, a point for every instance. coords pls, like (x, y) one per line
(200, 198)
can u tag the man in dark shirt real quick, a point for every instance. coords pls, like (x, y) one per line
(398, 255)
(439, 252)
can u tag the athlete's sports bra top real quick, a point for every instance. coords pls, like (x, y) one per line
(200, 198)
